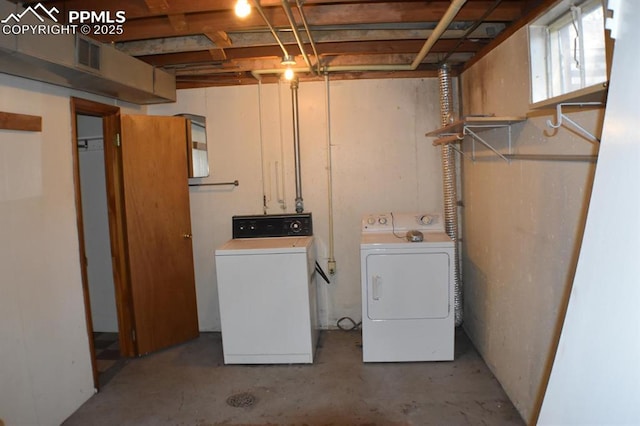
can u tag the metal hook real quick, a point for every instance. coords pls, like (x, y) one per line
(560, 117)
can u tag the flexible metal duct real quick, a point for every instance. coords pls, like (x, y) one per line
(450, 188)
(296, 145)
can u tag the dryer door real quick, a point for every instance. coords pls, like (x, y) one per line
(407, 285)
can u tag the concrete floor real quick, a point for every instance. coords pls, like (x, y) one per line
(190, 385)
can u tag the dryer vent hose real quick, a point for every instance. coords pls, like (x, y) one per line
(450, 187)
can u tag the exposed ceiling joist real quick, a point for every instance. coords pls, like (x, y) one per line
(204, 43)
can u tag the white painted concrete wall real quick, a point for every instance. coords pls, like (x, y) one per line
(522, 226)
(45, 371)
(381, 162)
(96, 226)
(596, 377)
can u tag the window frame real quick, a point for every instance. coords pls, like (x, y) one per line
(540, 50)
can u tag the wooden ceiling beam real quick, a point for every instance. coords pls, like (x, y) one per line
(220, 38)
(243, 40)
(338, 14)
(403, 46)
(179, 22)
(217, 54)
(247, 65)
(192, 82)
(136, 9)
(156, 7)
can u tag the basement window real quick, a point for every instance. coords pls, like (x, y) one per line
(567, 49)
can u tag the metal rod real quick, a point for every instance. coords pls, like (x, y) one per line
(296, 34)
(471, 29)
(90, 138)
(306, 27)
(459, 151)
(256, 3)
(296, 145)
(553, 157)
(442, 26)
(234, 183)
(485, 143)
(265, 199)
(332, 260)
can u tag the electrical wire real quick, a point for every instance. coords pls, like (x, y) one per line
(393, 228)
(354, 325)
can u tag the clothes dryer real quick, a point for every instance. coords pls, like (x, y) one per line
(407, 288)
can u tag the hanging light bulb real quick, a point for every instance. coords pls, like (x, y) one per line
(243, 9)
(288, 74)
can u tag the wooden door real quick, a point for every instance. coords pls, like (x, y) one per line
(158, 229)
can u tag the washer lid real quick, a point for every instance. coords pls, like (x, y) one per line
(273, 245)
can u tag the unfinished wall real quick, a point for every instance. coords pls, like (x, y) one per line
(522, 224)
(45, 371)
(381, 162)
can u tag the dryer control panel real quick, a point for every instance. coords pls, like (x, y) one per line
(402, 222)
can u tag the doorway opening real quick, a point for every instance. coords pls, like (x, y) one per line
(155, 300)
(97, 244)
(97, 179)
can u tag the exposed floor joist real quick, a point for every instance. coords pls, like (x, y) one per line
(204, 39)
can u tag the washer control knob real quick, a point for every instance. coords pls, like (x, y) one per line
(371, 220)
(295, 226)
(426, 219)
(382, 220)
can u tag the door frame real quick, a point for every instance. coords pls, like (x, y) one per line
(117, 225)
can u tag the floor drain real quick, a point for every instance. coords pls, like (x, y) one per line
(243, 399)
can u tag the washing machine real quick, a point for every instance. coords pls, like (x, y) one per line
(407, 288)
(267, 290)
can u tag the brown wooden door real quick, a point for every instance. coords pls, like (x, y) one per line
(154, 167)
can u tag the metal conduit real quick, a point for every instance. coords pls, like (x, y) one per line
(256, 4)
(296, 34)
(296, 145)
(331, 264)
(306, 27)
(446, 20)
(471, 29)
(450, 191)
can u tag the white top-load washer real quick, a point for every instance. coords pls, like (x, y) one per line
(407, 288)
(266, 291)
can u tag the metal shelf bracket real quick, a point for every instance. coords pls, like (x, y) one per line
(467, 130)
(562, 118)
(459, 151)
(471, 126)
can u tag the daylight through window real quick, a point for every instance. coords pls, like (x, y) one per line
(567, 48)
